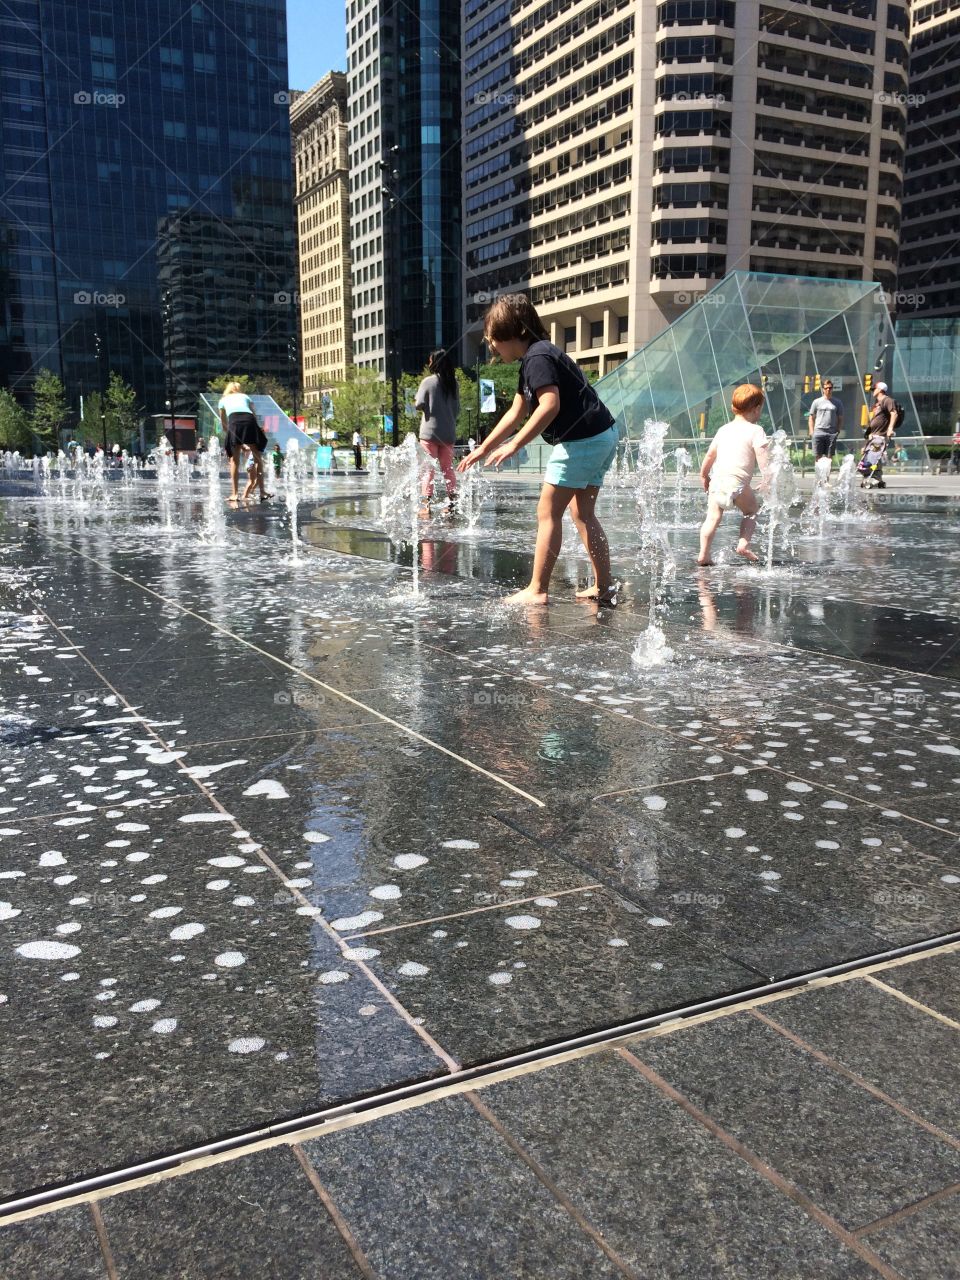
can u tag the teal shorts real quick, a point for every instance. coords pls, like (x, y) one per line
(580, 464)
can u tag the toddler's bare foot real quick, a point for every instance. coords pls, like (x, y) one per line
(588, 593)
(704, 560)
(526, 596)
(744, 550)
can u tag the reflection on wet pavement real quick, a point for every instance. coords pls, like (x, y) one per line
(275, 836)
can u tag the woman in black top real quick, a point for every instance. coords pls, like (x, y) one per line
(565, 409)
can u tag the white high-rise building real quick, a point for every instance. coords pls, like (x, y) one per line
(621, 156)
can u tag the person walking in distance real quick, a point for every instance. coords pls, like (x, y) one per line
(438, 400)
(738, 448)
(826, 423)
(884, 416)
(357, 451)
(559, 403)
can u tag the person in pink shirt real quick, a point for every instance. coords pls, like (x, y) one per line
(738, 448)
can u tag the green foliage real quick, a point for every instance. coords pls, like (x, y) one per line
(89, 430)
(247, 384)
(50, 410)
(14, 424)
(121, 411)
(357, 404)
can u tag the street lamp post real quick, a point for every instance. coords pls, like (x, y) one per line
(389, 181)
(168, 367)
(293, 355)
(98, 351)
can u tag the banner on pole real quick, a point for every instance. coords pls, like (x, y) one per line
(488, 396)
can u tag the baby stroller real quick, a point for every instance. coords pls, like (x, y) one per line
(871, 461)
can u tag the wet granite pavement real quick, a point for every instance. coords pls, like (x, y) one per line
(814, 1134)
(431, 833)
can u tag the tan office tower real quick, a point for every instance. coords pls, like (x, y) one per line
(621, 156)
(318, 125)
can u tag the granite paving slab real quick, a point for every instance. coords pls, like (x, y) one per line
(436, 1193)
(257, 1216)
(56, 1246)
(899, 1049)
(924, 1245)
(498, 982)
(933, 981)
(850, 1153)
(162, 988)
(667, 1195)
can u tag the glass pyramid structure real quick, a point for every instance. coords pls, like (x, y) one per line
(787, 334)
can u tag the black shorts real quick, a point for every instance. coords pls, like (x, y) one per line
(243, 430)
(823, 446)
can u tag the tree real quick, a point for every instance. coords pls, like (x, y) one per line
(50, 410)
(247, 384)
(267, 386)
(121, 410)
(89, 430)
(357, 402)
(14, 423)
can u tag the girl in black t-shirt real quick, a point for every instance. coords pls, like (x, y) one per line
(565, 409)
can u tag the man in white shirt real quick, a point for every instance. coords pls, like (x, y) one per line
(357, 451)
(825, 422)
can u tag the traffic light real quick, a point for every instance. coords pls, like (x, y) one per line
(868, 382)
(806, 384)
(816, 383)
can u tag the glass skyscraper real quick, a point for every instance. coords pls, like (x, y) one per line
(146, 211)
(403, 87)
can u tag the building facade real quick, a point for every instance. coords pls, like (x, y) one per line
(403, 77)
(929, 245)
(145, 212)
(621, 156)
(318, 125)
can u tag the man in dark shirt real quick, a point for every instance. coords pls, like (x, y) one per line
(883, 416)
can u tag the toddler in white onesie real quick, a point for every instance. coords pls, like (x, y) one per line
(738, 448)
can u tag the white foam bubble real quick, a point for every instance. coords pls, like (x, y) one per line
(246, 1044)
(164, 1026)
(346, 924)
(385, 892)
(522, 922)
(411, 969)
(332, 977)
(48, 951)
(655, 802)
(408, 861)
(185, 931)
(269, 789)
(500, 979)
(230, 959)
(460, 844)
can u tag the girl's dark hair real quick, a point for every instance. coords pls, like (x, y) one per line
(511, 316)
(440, 364)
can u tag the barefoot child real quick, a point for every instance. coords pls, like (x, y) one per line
(737, 449)
(565, 409)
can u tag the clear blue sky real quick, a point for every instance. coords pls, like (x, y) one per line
(317, 37)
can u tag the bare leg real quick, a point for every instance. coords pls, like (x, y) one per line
(748, 506)
(234, 472)
(583, 510)
(708, 530)
(554, 500)
(254, 475)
